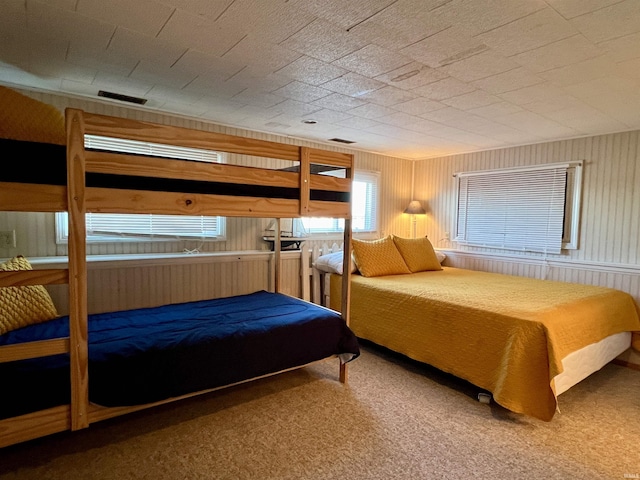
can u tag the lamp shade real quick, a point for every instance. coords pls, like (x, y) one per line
(415, 208)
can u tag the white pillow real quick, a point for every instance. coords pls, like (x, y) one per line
(440, 256)
(332, 263)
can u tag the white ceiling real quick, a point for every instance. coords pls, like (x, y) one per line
(408, 78)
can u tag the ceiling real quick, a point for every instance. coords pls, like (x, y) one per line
(408, 78)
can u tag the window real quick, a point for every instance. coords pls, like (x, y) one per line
(364, 208)
(107, 227)
(528, 209)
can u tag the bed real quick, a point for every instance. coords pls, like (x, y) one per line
(524, 340)
(71, 371)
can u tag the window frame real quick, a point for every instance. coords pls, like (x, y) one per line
(373, 212)
(572, 203)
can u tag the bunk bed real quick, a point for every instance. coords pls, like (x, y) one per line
(91, 366)
(524, 340)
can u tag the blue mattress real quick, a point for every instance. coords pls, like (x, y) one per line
(150, 354)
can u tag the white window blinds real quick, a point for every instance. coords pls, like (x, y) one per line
(515, 209)
(108, 227)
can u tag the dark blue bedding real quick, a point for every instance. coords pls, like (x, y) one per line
(145, 355)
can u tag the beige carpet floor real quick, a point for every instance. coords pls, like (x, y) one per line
(395, 420)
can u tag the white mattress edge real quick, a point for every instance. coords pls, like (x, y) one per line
(580, 364)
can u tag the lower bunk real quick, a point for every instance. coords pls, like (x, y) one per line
(148, 356)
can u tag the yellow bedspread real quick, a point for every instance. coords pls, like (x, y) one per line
(503, 333)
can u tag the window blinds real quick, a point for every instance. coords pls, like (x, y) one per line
(110, 227)
(516, 209)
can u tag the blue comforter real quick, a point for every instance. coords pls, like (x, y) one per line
(150, 354)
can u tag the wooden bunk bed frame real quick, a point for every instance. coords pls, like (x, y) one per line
(77, 198)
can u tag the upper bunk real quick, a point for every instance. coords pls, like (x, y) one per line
(115, 182)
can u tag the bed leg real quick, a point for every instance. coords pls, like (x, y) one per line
(344, 373)
(484, 398)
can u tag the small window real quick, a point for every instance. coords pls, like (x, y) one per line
(527, 209)
(364, 208)
(108, 227)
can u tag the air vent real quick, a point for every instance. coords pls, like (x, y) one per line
(122, 98)
(341, 140)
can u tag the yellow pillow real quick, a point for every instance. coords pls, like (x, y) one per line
(418, 253)
(22, 306)
(378, 257)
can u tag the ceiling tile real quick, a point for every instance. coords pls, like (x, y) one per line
(399, 119)
(479, 66)
(211, 9)
(272, 21)
(586, 119)
(341, 13)
(199, 33)
(371, 111)
(418, 106)
(446, 88)
(339, 102)
(412, 75)
(311, 71)
(215, 88)
(371, 61)
(292, 107)
(301, 92)
(257, 98)
(129, 44)
(353, 85)
(324, 115)
(359, 123)
(622, 18)
(540, 92)
(388, 96)
(470, 100)
(478, 16)
(527, 33)
(574, 8)
(507, 81)
(143, 16)
(208, 66)
(447, 46)
(336, 43)
(268, 57)
(622, 48)
(580, 72)
(561, 53)
(58, 25)
(543, 127)
(258, 79)
(630, 69)
(161, 75)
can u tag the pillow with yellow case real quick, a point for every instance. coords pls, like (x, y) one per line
(23, 306)
(418, 254)
(376, 258)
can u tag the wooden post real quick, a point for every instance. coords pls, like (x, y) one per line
(277, 257)
(78, 335)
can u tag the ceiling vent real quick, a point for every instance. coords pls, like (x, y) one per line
(122, 98)
(341, 140)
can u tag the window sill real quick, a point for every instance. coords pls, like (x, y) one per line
(158, 259)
